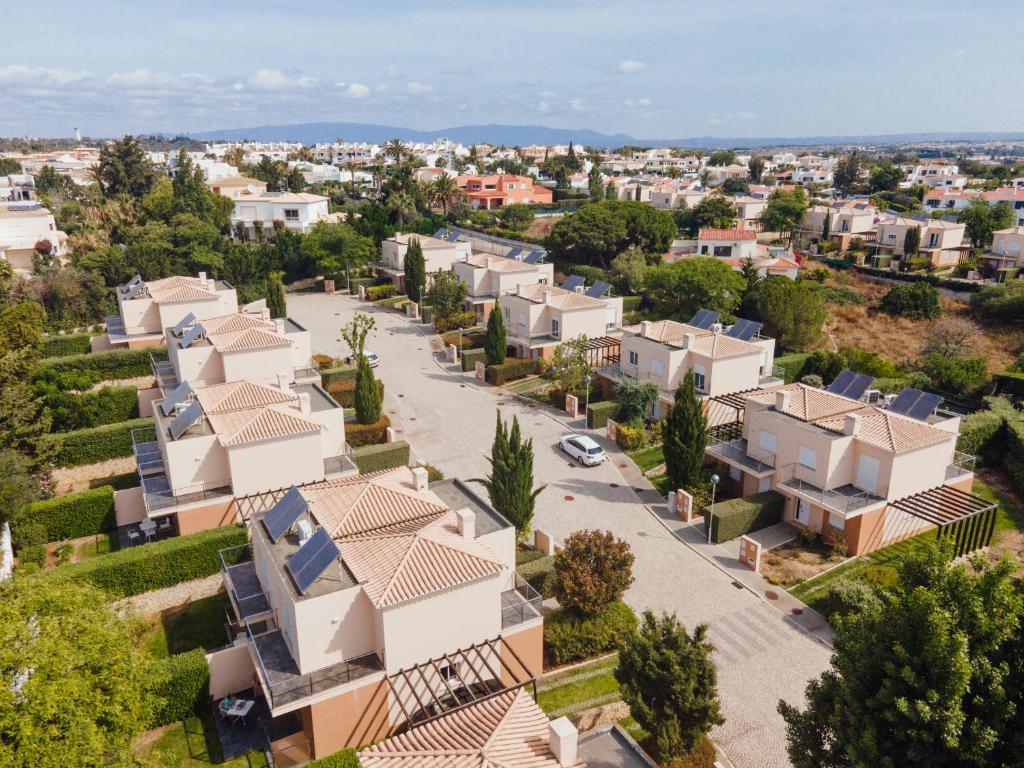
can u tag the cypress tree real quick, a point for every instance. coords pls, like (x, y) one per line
(685, 436)
(495, 345)
(367, 395)
(415, 271)
(275, 295)
(826, 226)
(510, 483)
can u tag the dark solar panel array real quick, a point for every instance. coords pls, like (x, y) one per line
(282, 516)
(514, 253)
(744, 330)
(188, 417)
(572, 282)
(598, 289)
(534, 257)
(180, 326)
(915, 404)
(306, 565)
(180, 392)
(194, 333)
(704, 318)
(850, 384)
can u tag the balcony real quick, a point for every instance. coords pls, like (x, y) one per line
(776, 378)
(846, 499)
(962, 466)
(164, 373)
(158, 495)
(148, 459)
(734, 452)
(520, 604)
(242, 583)
(342, 464)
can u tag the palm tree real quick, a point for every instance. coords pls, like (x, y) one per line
(443, 192)
(394, 150)
(352, 168)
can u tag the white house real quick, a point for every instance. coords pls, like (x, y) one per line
(298, 211)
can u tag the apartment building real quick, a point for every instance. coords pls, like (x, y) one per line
(724, 360)
(539, 317)
(847, 220)
(438, 254)
(941, 241)
(1012, 196)
(488, 192)
(146, 308)
(298, 211)
(727, 243)
(944, 199)
(23, 225)
(17, 188)
(1007, 251)
(371, 604)
(236, 186)
(934, 175)
(720, 173)
(867, 474)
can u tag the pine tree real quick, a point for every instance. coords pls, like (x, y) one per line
(367, 395)
(685, 436)
(275, 295)
(510, 483)
(415, 271)
(496, 344)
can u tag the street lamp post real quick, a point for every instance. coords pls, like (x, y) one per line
(711, 509)
(586, 407)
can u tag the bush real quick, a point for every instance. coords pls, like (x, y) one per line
(792, 365)
(846, 596)
(153, 566)
(471, 357)
(358, 435)
(632, 438)
(84, 410)
(599, 413)
(333, 375)
(91, 446)
(366, 282)
(471, 340)
(512, 369)
(106, 366)
(344, 759)
(918, 301)
(736, 517)
(537, 573)
(344, 392)
(378, 292)
(961, 376)
(31, 541)
(182, 683)
(458, 320)
(631, 303)
(374, 458)
(1000, 301)
(592, 570)
(1010, 383)
(69, 517)
(67, 344)
(570, 637)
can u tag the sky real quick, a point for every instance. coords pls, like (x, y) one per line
(674, 69)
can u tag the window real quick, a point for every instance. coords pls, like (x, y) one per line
(634, 358)
(723, 251)
(291, 214)
(508, 313)
(699, 379)
(554, 328)
(521, 318)
(845, 226)
(933, 240)
(808, 458)
(704, 249)
(656, 367)
(768, 442)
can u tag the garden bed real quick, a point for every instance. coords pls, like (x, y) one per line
(796, 561)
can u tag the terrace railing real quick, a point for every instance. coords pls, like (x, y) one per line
(520, 604)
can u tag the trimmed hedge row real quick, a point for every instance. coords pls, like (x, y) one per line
(183, 687)
(909, 277)
(165, 563)
(78, 514)
(598, 414)
(91, 446)
(511, 369)
(344, 392)
(83, 410)
(1010, 383)
(378, 292)
(792, 365)
(537, 571)
(116, 364)
(358, 435)
(470, 357)
(569, 637)
(334, 375)
(374, 458)
(344, 759)
(67, 344)
(731, 519)
(453, 322)
(631, 303)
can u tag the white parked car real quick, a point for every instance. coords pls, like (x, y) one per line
(583, 449)
(371, 358)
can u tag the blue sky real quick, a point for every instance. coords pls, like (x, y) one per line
(649, 69)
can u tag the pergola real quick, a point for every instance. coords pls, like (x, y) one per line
(733, 406)
(604, 350)
(967, 518)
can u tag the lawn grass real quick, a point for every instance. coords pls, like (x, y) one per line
(199, 624)
(394, 302)
(524, 556)
(648, 458)
(579, 688)
(192, 744)
(1009, 516)
(100, 545)
(522, 386)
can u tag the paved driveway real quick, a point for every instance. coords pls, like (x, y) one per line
(449, 422)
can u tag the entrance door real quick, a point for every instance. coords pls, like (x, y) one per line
(867, 473)
(803, 512)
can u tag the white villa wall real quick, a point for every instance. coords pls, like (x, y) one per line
(333, 628)
(273, 464)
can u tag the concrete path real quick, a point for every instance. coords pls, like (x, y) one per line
(763, 654)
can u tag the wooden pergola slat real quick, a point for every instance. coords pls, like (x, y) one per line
(967, 517)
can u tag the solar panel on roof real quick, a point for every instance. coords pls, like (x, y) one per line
(188, 417)
(905, 400)
(849, 384)
(282, 516)
(440, 234)
(572, 282)
(180, 326)
(598, 289)
(744, 330)
(180, 392)
(533, 257)
(704, 318)
(840, 382)
(924, 406)
(306, 565)
(514, 253)
(194, 333)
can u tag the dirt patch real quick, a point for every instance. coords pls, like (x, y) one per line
(541, 227)
(71, 479)
(795, 562)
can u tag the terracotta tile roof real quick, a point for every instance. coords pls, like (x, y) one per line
(255, 425)
(558, 297)
(707, 343)
(368, 505)
(726, 234)
(505, 731)
(238, 321)
(890, 431)
(1004, 193)
(500, 264)
(253, 338)
(180, 288)
(239, 396)
(808, 403)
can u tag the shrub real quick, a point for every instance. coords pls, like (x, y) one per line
(181, 684)
(792, 365)
(811, 380)
(366, 282)
(570, 637)
(83, 410)
(511, 369)
(537, 573)
(69, 517)
(471, 357)
(344, 392)
(881, 577)
(104, 366)
(469, 341)
(67, 344)
(153, 566)
(630, 437)
(599, 413)
(378, 292)
(592, 570)
(374, 458)
(344, 759)
(358, 435)
(322, 362)
(91, 446)
(846, 596)
(31, 541)
(458, 320)
(733, 518)
(1010, 383)
(333, 375)
(962, 376)
(917, 301)
(1000, 301)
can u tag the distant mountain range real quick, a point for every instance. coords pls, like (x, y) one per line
(521, 135)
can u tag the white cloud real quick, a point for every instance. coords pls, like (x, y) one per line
(634, 103)
(139, 78)
(459, 70)
(276, 80)
(577, 105)
(19, 74)
(543, 107)
(357, 91)
(631, 67)
(417, 88)
(392, 72)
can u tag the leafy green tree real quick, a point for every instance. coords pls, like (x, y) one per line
(756, 168)
(722, 157)
(631, 266)
(714, 211)
(22, 327)
(647, 228)
(594, 185)
(847, 173)
(597, 232)
(337, 249)
(495, 343)
(150, 251)
(271, 171)
(962, 375)
(570, 367)
(611, 192)
(415, 270)
(635, 399)
(367, 394)
(592, 570)
(885, 177)
(354, 333)
(18, 487)
(670, 683)
(918, 301)
(912, 242)
(275, 295)
(124, 169)
(784, 211)
(510, 483)
(9, 166)
(682, 287)
(684, 435)
(981, 219)
(826, 226)
(516, 216)
(926, 674)
(24, 417)
(733, 186)
(6, 281)
(444, 192)
(793, 312)
(446, 293)
(1000, 301)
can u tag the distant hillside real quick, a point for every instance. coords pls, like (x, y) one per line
(521, 135)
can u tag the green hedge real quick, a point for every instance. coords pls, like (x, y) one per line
(91, 446)
(67, 344)
(453, 322)
(569, 637)
(153, 566)
(344, 392)
(358, 435)
(511, 369)
(374, 458)
(631, 303)
(599, 413)
(182, 684)
(366, 282)
(334, 375)
(83, 410)
(1010, 383)
(378, 292)
(344, 759)
(470, 357)
(537, 571)
(912, 277)
(78, 514)
(731, 519)
(792, 365)
(426, 313)
(103, 366)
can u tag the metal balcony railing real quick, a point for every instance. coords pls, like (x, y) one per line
(148, 458)
(845, 498)
(962, 464)
(736, 452)
(520, 604)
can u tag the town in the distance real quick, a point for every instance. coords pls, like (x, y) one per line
(452, 454)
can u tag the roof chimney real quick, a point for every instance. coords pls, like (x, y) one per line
(304, 404)
(283, 380)
(688, 339)
(202, 276)
(419, 478)
(279, 325)
(645, 328)
(562, 741)
(851, 425)
(467, 523)
(782, 400)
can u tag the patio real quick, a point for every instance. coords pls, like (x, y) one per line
(147, 531)
(256, 731)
